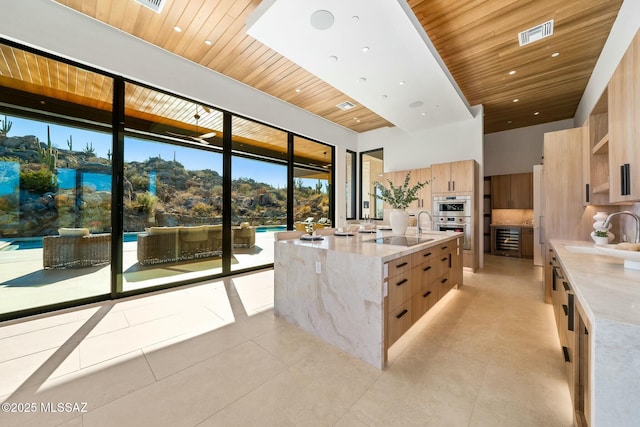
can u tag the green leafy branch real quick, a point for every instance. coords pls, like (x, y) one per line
(398, 197)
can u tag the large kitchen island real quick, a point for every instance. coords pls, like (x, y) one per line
(362, 292)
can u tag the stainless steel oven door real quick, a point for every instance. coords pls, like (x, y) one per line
(452, 206)
(458, 224)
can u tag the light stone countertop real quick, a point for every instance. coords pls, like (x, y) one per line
(610, 296)
(357, 244)
(605, 289)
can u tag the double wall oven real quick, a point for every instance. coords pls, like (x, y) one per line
(453, 213)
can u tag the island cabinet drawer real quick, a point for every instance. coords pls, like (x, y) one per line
(399, 289)
(445, 284)
(423, 256)
(442, 264)
(423, 275)
(399, 321)
(424, 300)
(399, 265)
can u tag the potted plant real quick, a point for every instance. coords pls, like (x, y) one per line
(399, 197)
(601, 237)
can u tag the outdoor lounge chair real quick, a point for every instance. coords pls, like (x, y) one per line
(74, 250)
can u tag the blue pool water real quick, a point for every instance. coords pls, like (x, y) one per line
(36, 243)
(263, 229)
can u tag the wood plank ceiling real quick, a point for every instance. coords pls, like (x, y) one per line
(477, 40)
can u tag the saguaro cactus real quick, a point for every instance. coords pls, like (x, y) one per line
(49, 155)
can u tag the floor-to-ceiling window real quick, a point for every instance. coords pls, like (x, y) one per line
(111, 188)
(313, 193)
(55, 182)
(350, 184)
(172, 198)
(371, 171)
(259, 191)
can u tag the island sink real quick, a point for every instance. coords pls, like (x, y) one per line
(399, 240)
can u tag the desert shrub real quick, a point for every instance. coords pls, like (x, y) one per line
(202, 209)
(39, 181)
(146, 201)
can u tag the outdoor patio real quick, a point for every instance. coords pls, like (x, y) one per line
(25, 284)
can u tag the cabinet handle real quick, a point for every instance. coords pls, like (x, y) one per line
(565, 309)
(402, 313)
(444, 280)
(443, 247)
(453, 185)
(429, 293)
(427, 268)
(444, 259)
(586, 196)
(448, 185)
(565, 286)
(402, 282)
(401, 265)
(586, 331)
(625, 178)
(427, 254)
(565, 352)
(571, 309)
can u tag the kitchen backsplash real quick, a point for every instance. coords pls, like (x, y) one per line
(512, 216)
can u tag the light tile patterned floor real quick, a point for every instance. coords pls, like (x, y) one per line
(215, 355)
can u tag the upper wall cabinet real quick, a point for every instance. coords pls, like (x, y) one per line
(513, 191)
(596, 155)
(624, 127)
(452, 178)
(417, 175)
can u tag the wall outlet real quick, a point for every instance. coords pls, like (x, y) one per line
(318, 267)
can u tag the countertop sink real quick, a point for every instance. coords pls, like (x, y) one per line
(399, 240)
(582, 249)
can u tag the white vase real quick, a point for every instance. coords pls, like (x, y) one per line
(399, 220)
(598, 225)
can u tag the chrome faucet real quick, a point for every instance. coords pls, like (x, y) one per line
(636, 217)
(418, 220)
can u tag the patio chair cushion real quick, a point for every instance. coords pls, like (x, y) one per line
(73, 232)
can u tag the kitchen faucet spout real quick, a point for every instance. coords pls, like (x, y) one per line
(634, 216)
(418, 220)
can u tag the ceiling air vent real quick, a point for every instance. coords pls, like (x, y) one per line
(346, 105)
(536, 33)
(155, 5)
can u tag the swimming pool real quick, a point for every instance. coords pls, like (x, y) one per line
(36, 242)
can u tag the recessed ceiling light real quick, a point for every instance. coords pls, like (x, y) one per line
(512, 72)
(402, 83)
(424, 113)
(509, 122)
(362, 80)
(355, 18)
(208, 42)
(555, 54)
(322, 20)
(516, 100)
(365, 49)
(177, 29)
(536, 113)
(298, 90)
(333, 58)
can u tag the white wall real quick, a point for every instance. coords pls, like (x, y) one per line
(403, 150)
(51, 27)
(517, 150)
(624, 29)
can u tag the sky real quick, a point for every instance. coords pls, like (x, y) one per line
(139, 150)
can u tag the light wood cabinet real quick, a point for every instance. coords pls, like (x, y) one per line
(417, 281)
(417, 175)
(562, 183)
(624, 127)
(526, 242)
(453, 178)
(514, 191)
(596, 155)
(573, 329)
